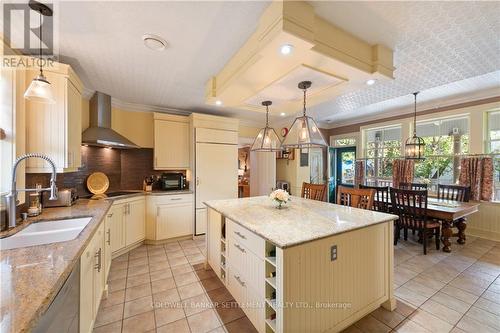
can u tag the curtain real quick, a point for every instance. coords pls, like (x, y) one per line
(359, 173)
(402, 172)
(477, 173)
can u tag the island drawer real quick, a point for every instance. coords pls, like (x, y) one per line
(250, 240)
(236, 284)
(250, 267)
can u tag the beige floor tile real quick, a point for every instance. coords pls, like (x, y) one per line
(428, 282)
(191, 251)
(184, 279)
(162, 285)
(471, 325)
(469, 284)
(123, 257)
(114, 298)
(484, 316)
(117, 285)
(451, 302)
(229, 311)
(190, 290)
(488, 305)
(115, 327)
(158, 266)
(138, 306)
(457, 330)
(157, 252)
(177, 261)
(157, 259)
(204, 321)
(370, 324)
(117, 274)
(409, 326)
(143, 322)
(169, 314)
(460, 294)
(172, 247)
(140, 254)
(138, 270)
(175, 254)
(138, 280)
(404, 308)
(429, 321)
(138, 262)
(242, 325)
(181, 269)
(403, 275)
(160, 274)
(137, 292)
(442, 312)
(187, 243)
(389, 318)
(166, 297)
(109, 315)
(117, 265)
(419, 288)
(410, 296)
(352, 329)
(196, 304)
(195, 258)
(205, 274)
(179, 326)
(495, 287)
(491, 296)
(211, 283)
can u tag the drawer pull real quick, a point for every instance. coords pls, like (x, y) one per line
(109, 237)
(239, 248)
(240, 234)
(239, 280)
(110, 215)
(176, 199)
(98, 255)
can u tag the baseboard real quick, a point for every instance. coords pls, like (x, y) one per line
(491, 235)
(165, 241)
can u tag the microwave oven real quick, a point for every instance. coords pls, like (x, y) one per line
(172, 181)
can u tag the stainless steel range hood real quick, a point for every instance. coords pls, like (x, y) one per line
(99, 132)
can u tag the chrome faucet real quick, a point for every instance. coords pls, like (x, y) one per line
(12, 196)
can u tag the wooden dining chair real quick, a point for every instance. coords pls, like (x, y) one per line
(382, 200)
(358, 198)
(454, 192)
(413, 186)
(411, 207)
(314, 191)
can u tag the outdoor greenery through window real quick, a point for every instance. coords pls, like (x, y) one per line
(345, 142)
(445, 139)
(493, 147)
(382, 146)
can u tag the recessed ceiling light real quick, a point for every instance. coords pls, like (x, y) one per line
(218, 102)
(286, 49)
(371, 82)
(154, 42)
(282, 114)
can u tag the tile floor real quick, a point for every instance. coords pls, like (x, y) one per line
(165, 289)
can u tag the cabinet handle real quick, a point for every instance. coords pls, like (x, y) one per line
(240, 234)
(239, 280)
(240, 248)
(175, 199)
(197, 181)
(98, 255)
(157, 211)
(110, 215)
(109, 236)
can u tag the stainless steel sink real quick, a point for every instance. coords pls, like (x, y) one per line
(45, 233)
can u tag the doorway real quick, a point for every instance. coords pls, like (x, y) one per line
(342, 167)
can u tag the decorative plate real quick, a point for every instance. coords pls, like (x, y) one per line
(97, 183)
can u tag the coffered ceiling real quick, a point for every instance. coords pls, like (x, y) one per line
(447, 50)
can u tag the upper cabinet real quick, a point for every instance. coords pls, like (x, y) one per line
(172, 145)
(55, 129)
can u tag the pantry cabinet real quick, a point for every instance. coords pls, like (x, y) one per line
(92, 282)
(169, 216)
(171, 142)
(55, 129)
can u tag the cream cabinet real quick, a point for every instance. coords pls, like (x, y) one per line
(92, 273)
(55, 129)
(169, 216)
(127, 223)
(172, 147)
(115, 221)
(135, 229)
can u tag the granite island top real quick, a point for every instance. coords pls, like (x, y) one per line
(300, 221)
(31, 277)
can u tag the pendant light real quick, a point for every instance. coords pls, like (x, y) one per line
(415, 146)
(40, 89)
(304, 132)
(267, 139)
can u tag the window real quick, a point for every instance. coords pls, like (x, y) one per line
(345, 142)
(382, 145)
(444, 140)
(493, 147)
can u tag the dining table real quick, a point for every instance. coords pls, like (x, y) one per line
(451, 213)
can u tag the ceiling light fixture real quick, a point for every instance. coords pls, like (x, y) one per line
(371, 82)
(267, 140)
(286, 49)
(218, 102)
(415, 146)
(282, 114)
(304, 132)
(154, 42)
(40, 89)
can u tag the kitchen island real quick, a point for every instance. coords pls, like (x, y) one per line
(309, 267)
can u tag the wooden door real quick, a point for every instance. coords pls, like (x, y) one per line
(134, 222)
(171, 146)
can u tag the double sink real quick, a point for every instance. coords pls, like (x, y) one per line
(46, 232)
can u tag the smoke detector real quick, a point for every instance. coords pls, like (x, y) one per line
(154, 42)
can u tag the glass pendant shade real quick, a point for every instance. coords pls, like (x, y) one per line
(415, 146)
(267, 139)
(40, 90)
(304, 132)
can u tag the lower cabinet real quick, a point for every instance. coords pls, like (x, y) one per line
(126, 219)
(92, 274)
(169, 216)
(135, 229)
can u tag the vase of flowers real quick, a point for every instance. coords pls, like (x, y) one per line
(280, 197)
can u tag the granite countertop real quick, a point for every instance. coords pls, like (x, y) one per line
(32, 276)
(301, 220)
(136, 193)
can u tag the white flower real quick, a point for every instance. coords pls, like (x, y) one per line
(279, 195)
